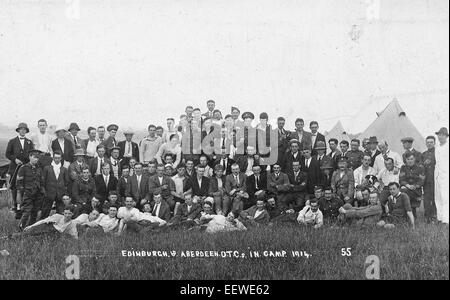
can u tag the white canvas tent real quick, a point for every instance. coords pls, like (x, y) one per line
(337, 132)
(393, 124)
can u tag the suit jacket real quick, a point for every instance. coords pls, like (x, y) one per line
(377, 152)
(164, 211)
(251, 184)
(201, 191)
(68, 154)
(122, 186)
(55, 187)
(334, 159)
(94, 164)
(134, 151)
(214, 185)
(231, 184)
(102, 189)
(282, 182)
(153, 184)
(344, 186)
(138, 193)
(228, 165)
(289, 159)
(325, 160)
(14, 150)
(306, 138)
(82, 191)
(300, 183)
(75, 170)
(109, 143)
(262, 219)
(183, 214)
(314, 173)
(319, 137)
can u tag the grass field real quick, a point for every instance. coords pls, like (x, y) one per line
(403, 253)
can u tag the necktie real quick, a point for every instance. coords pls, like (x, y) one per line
(154, 209)
(224, 164)
(129, 148)
(257, 182)
(139, 182)
(295, 176)
(106, 181)
(237, 179)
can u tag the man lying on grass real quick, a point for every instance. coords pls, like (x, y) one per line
(131, 219)
(220, 223)
(102, 224)
(55, 224)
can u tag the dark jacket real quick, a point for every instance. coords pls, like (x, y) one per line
(55, 187)
(15, 151)
(101, 188)
(68, 154)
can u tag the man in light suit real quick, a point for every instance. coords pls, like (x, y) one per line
(138, 187)
(105, 183)
(256, 215)
(236, 187)
(128, 148)
(56, 181)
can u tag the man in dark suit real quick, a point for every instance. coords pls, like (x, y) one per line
(225, 161)
(284, 136)
(138, 187)
(299, 184)
(122, 184)
(316, 136)
(311, 166)
(160, 208)
(334, 152)
(199, 184)
(17, 151)
(56, 181)
(64, 145)
(104, 183)
(187, 214)
(163, 185)
(278, 184)
(236, 187)
(293, 155)
(128, 148)
(256, 185)
(300, 135)
(372, 149)
(99, 161)
(72, 136)
(110, 142)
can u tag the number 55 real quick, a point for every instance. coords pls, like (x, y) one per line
(346, 251)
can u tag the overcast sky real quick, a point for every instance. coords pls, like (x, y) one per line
(138, 62)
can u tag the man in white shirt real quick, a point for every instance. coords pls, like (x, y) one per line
(360, 173)
(42, 140)
(310, 215)
(386, 176)
(91, 144)
(385, 153)
(127, 213)
(170, 130)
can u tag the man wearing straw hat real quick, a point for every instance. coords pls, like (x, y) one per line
(128, 148)
(65, 146)
(17, 152)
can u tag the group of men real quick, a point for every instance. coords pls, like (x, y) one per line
(222, 174)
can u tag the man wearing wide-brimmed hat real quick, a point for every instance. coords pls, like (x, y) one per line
(73, 135)
(63, 144)
(441, 176)
(408, 146)
(76, 168)
(128, 148)
(17, 152)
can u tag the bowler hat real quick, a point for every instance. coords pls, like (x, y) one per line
(373, 140)
(320, 145)
(79, 152)
(112, 127)
(235, 108)
(443, 131)
(247, 115)
(23, 125)
(74, 126)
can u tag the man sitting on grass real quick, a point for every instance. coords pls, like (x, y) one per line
(256, 215)
(397, 210)
(364, 215)
(310, 215)
(329, 205)
(188, 214)
(55, 224)
(127, 214)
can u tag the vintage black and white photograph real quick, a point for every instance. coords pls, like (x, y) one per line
(204, 140)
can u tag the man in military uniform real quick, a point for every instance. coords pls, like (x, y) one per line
(412, 178)
(30, 183)
(408, 146)
(429, 163)
(355, 155)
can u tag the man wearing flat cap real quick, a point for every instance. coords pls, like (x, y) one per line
(408, 146)
(111, 142)
(372, 149)
(245, 136)
(128, 148)
(17, 152)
